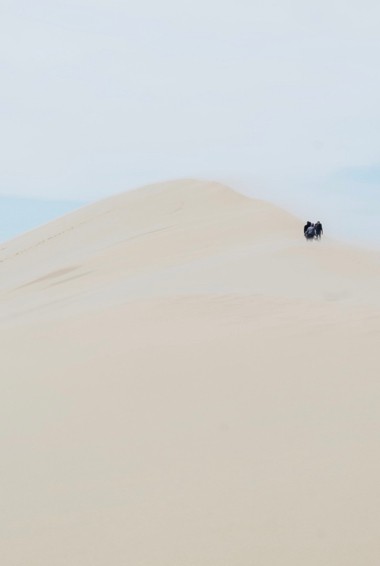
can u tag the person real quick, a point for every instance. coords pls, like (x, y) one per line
(310, 232)
(308, 223)
(318, 230)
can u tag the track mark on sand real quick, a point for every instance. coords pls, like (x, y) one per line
(52, 275)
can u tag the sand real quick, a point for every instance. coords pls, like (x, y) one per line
(186, 382)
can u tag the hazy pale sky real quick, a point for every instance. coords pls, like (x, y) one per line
(279, 98)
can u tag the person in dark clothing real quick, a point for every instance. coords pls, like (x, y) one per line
(318, 230)
(310, 232)
(307, 225)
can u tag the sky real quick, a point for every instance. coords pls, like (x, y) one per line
(279, 99)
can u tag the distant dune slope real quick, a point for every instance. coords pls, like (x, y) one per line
(186, 381)
(178, 238)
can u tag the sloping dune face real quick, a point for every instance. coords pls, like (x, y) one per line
(185, 381)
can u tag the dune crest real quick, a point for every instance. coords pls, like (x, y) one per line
(180, 237)
(186, 381)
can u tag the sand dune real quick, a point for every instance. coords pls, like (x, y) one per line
(185, 381)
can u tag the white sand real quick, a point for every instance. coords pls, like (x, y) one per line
(186, 382)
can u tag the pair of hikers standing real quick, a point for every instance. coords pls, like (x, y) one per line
(313, 231)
